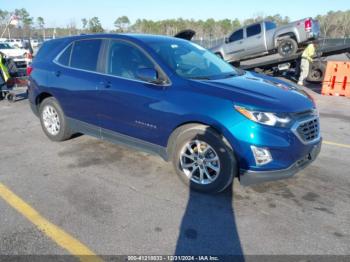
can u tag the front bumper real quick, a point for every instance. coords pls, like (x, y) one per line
(250, 177)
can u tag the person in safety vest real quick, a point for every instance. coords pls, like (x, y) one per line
(306, 61)
(4, 72)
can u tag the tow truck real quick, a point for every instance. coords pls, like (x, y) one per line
(276, 65)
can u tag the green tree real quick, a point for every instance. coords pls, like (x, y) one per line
(84, 21)
(122, 24)
(26, 20)
(95, 25)
(41, 23)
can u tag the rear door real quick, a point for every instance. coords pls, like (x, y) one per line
(255, 41)
(74, 80)
(235, 47)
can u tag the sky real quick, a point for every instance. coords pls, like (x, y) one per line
(62, 12)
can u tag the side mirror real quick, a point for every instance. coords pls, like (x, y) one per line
(147, 74)
(227, 40)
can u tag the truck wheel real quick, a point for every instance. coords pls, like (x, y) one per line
(316, 73)
(53, 121)
(287, 47)
(203, 160)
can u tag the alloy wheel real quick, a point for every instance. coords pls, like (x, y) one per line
(51, 120)
(200, 162)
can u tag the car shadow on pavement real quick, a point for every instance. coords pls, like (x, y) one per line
(209, 228)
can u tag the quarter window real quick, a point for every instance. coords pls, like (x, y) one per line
(236, 36)
(253, 30)
(64, 58)
(85, 54)
(125, 60)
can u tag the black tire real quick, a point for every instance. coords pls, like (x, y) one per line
(316, 73)
(287, 47)
(11, 97)
(228, 163)
(64, 132)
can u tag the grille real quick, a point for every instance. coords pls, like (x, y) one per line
(309, 130)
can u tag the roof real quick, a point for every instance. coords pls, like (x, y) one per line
(146, 38)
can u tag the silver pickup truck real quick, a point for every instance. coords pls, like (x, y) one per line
(265, 37)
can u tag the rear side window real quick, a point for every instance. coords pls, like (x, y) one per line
(64, 58)
(236, 36)
(253, 30)
(270, 26)
(85, 54)
(48, 49)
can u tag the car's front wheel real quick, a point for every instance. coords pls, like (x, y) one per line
(53, 121)
(203, 160)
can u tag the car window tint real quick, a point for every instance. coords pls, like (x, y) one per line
(270, 26)
(238, 35)
(85, 54)
(65, 56)
(48, 48)
(253, 30)
(125, 59)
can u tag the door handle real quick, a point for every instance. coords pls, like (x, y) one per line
(58, 73)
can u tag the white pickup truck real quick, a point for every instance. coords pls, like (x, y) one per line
(265, 37)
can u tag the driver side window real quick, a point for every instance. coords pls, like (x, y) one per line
(124, 60)
(236, 36)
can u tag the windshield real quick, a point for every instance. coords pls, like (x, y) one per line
(5, 46)
(192, 61)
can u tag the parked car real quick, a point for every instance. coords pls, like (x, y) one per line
(16, 43)
(174, 98)
(16, 54)
(265, 37)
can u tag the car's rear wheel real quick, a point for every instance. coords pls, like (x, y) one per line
(203, 160)
(53, 121)
(287, 47)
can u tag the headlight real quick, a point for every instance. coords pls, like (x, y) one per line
(265, 118)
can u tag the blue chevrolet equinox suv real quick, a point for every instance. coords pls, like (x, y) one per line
(174, 98)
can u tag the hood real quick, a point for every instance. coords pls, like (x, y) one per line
(187, 34)
(258, 92)
(13, 52)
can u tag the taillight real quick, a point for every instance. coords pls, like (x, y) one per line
(308, 25)
(29, 70)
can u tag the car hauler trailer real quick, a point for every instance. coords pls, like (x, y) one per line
(289, 66)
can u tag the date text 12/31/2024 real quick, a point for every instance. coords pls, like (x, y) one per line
(173, 258)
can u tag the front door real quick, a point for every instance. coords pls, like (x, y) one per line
(235, 47)
(128, 105)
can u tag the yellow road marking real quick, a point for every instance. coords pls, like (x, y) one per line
(63, 239)
(336, 144)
